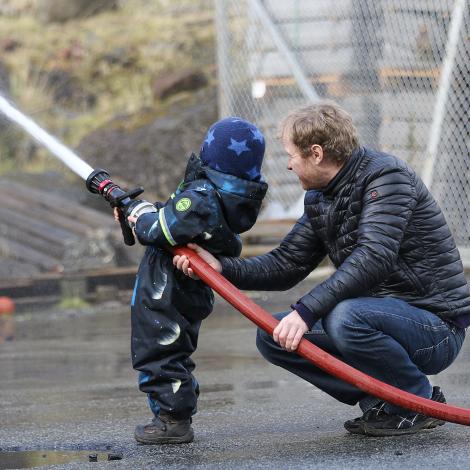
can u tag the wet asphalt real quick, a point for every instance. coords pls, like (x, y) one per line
(67, 385)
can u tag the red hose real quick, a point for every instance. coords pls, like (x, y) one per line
(317, 356)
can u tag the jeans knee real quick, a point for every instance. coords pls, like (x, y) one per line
(342, 323)
(263, 342)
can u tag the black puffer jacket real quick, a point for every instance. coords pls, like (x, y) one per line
(384, 233)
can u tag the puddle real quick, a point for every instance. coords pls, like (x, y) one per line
(263, 384)
(39, 458)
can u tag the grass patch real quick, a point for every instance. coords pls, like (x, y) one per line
(73, 303)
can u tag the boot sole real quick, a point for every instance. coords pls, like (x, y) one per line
(400, 432)
(188, 437)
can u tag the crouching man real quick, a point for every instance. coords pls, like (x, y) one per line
(398, 303)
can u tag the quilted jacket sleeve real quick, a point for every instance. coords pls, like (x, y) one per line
(298, 254)
(388, 201)
(178, 222)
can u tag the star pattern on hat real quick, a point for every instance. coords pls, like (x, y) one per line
(253, 173)
(210, 137)
(238, 147)
(257, 135)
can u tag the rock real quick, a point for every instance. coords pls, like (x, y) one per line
(4, 79)
(59, 11)
(66, 89)
(154, 153)
(125, 57)
(9, 44)
(74, 51)
(184, 80)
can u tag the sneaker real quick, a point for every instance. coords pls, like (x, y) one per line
(164, 430)
(378, 414)
(355, 426)
(396, 425)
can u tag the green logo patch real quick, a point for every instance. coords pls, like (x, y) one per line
(183, 204)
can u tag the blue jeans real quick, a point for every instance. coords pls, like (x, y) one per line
(384, 337)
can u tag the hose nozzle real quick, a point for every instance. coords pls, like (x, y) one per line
(99, 182)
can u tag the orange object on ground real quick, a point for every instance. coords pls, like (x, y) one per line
(7, 306)
(317, 356)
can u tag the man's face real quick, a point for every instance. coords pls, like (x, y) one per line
(308, 172)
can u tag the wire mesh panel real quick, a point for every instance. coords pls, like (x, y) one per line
(400, 67)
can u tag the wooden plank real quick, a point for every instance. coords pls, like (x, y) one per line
(50, 283)
(18, 251)
(27, 239)
(37, 227)
(68, 222)
(60, 206)
(268, 230)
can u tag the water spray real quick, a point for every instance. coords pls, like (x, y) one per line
(99, 182)
(59, 150)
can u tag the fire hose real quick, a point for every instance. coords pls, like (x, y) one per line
(317, 356)
(99, 182)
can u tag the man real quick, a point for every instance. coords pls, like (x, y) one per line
(398, 303)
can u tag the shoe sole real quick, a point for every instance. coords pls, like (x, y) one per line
(358, 429)
(400, 432)
(188, 437)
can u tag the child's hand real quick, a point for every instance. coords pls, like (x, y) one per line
(182, 262)
(131, 220)
(209, 258)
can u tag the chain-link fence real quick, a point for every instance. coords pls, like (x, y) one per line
(400, 67)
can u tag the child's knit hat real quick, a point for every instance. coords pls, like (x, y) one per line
(234, 146)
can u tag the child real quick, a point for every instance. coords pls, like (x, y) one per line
(219, 198)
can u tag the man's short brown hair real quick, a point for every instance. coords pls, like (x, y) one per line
(325, 124)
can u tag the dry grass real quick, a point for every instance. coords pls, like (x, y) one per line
(155, 37)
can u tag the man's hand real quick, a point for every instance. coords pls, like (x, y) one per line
(289, 331)
(182, 262)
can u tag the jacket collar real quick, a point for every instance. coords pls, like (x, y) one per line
(345, 174)
(241, 199)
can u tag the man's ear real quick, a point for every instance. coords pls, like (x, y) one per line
(317, 153)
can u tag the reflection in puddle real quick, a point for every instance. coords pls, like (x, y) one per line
(216, 402)
(216, 388)
(263, 384)
(242, 392)
(39, 458)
